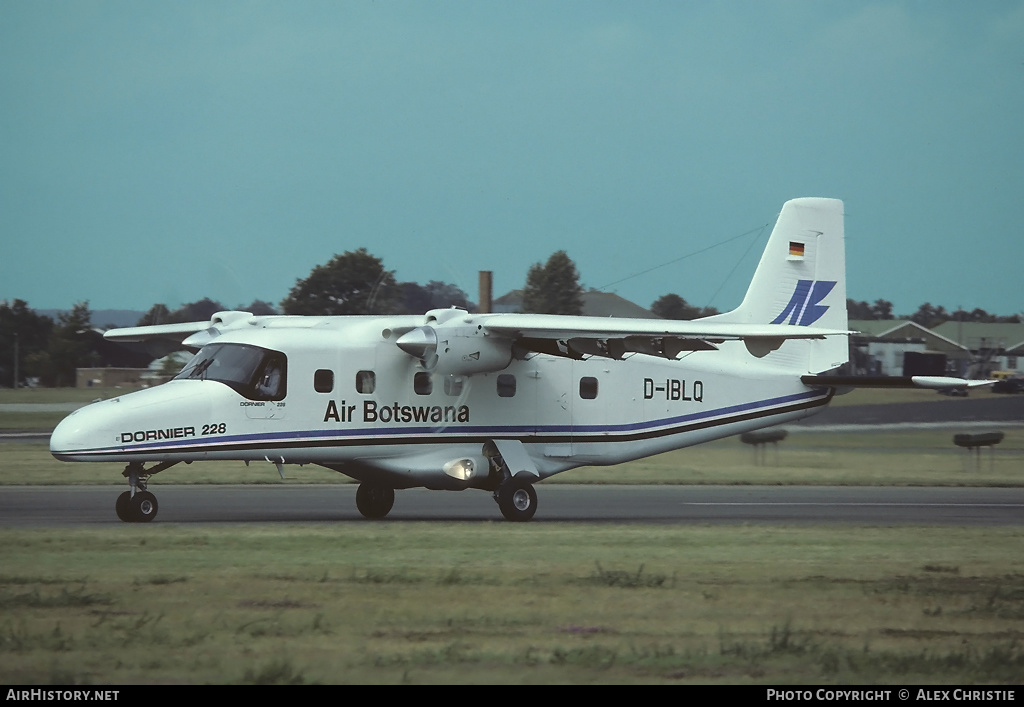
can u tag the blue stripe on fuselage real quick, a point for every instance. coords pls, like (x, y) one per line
(606, 432)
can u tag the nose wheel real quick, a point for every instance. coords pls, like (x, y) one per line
(137, 505)
(140, 508)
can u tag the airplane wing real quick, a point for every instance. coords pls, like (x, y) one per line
(563, 326)
(551, 333)
(190, 335)
(176, 332)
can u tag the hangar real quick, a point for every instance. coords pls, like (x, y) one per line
(971, 349)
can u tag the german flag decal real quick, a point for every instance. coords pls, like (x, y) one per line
(796, 250)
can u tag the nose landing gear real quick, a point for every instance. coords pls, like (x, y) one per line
(137, 505)
(140, 508)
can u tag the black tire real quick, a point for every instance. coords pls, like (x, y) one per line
(143, 507)
(374, 501)
(517, 500)
(123, 507)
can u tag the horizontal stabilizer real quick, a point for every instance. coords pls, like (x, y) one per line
(930, 382)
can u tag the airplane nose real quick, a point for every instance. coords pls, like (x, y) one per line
(69, 436)
(84, 429)
(99, 431)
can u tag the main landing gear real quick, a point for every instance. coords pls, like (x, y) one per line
(137, 505)
(516, 498)
(374, 501)
(514, 493)
(513, 490)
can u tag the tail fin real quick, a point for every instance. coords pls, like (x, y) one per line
(801, 280)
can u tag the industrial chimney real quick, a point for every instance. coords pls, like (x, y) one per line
(485, 292)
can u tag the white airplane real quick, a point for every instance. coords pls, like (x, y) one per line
(453, 400)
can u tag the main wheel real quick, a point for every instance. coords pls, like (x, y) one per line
(143, 507)
(517, 500)
(374, 501)
(123, 507)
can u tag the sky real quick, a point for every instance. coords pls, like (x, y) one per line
(167, 152)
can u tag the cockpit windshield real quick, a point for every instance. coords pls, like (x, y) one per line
(257, 374)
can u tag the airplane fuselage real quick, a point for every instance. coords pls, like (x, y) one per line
(352, 401)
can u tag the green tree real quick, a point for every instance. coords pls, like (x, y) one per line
(352, 283)
(881, 309)
(672, 306)
(29, 333)
(259, 308)
(73, 344)
(975, 315)
(157, 314)
(553, 288)
(201, 311)
(417, 299)
(859, 310)
(930, 316)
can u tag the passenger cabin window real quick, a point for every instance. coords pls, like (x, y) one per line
(366, 382)
(323, 381)
(588, 388)
(253, 372)
(506, 385)
(422, 384)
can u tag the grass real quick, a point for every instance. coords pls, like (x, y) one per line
(914, 457)
(505, 603)
(884, 396)
(908, 458)
(46, 396)
(489, 602)
(30, 421)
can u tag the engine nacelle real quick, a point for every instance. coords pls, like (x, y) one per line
(462, 354)
(457, 347)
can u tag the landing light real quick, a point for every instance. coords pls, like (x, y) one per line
(461, 469)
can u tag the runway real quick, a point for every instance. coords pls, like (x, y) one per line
(93, 506)
(75, 506)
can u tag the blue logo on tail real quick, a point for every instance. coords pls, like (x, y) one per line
(803, 307)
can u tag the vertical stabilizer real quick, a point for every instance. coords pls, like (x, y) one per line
(801, 280)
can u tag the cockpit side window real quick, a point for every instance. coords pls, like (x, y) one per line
(251, 371)
(270, 379)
